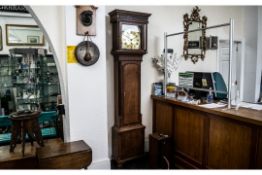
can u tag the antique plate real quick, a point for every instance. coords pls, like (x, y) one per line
(87, 53)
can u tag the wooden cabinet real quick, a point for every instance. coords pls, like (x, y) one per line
(259, 147)
(229, 144)
(210, 138)
(128, 131)
(71, 155)
(189, 132)
(131, 92)
(163, 118)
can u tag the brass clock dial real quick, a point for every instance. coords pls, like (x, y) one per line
(130, 37)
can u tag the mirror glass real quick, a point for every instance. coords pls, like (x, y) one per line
(194, 38)
(24, 35)
(194, 42)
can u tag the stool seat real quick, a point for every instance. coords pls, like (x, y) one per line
(25, 123)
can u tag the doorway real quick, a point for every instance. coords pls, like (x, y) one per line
(28, 74)
(237, 66)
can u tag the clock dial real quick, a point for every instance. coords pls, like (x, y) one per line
(131, 37)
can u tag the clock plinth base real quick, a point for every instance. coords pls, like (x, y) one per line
(128, 143)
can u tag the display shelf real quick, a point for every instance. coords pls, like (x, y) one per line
(29, 73)
(7, 66)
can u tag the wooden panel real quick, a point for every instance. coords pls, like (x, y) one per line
(243, 114)
(189, 132)
(210, 138)
(163, 117)
(15, 160)
(229, 145)
(259, 158)
(131, 143)
(71, 155)
(131, 83)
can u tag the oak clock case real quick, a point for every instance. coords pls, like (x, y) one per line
(129, 46)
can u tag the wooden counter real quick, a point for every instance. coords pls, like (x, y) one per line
(210, 138)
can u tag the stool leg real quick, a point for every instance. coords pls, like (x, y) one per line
(37, 132)
(30, 133)
(15, 130)
(23, 133)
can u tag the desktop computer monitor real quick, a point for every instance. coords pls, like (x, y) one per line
(203, 81)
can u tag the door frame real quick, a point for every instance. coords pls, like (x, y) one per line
(242, 67)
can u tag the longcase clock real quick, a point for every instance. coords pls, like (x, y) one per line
(129, 46)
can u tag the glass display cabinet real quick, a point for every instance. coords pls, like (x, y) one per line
(48, 83)
(28, 79)
(6, 106)
(25, 78)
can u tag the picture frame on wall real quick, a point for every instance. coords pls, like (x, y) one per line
(24, 35)
(33, 39)
(1, 40)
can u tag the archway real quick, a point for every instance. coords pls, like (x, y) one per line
(62, 79)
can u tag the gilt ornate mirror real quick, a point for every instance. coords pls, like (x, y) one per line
(194, 42)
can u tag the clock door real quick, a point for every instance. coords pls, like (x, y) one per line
(131, 92)
(130, 37)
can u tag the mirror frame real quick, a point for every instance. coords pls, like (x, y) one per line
(194, 17)
(23, 44)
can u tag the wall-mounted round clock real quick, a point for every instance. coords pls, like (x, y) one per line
(87, 53)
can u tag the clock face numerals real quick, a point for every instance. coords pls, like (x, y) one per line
(131, 37)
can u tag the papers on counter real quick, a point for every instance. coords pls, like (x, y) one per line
(213, 105)
(242, 104)
(251, 105)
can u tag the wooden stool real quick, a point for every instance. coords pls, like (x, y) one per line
(25, 123)
(72, 155)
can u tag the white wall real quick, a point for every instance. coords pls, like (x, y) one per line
(259, 53)
(87, 92)
(86, 86)
(53, 24)
(167, 19)
(250, 26)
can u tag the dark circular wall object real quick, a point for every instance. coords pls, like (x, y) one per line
(86, 17)
(87, 53)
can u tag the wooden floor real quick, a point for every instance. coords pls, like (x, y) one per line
(15, 160)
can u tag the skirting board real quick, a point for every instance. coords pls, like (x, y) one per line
(101, 164)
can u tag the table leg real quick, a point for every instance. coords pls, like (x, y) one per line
(23, 132)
